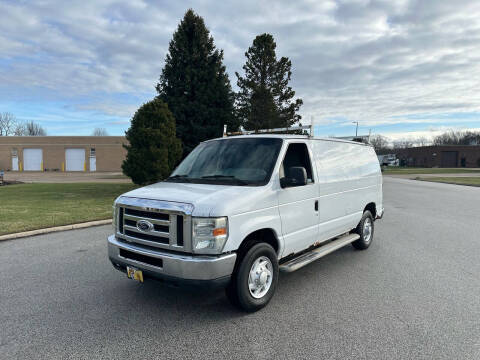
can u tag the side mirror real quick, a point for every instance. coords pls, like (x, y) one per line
(296, 176)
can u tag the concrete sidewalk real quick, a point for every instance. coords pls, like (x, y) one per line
(65, 177)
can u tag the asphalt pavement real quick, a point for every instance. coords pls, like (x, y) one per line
(414, 294)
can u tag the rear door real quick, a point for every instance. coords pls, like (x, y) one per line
(298, 206)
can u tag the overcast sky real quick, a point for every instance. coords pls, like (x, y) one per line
(400, 68)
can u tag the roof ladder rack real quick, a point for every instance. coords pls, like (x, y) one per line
(267, 131)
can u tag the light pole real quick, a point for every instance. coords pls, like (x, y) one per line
(356, 129)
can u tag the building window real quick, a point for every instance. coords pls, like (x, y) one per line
(92, 152)
(14, 152)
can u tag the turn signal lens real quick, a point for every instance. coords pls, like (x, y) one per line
(219, 231)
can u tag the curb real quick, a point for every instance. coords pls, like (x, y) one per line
(55, 229)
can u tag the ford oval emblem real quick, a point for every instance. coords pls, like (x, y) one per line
(144, 225)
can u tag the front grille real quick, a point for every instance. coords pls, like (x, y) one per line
(161, 228)
(167, 230)
(146, 237)
(147, 214)
(142, 258)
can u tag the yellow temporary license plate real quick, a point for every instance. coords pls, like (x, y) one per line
(134, 274)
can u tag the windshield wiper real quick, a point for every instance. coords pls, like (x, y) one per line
(175, 177)
(230, 177)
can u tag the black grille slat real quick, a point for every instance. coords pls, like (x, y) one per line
(147, 214)
(120, 220)
(130, 222)
(158, 239)
(161, 228)
(142, 258)
(179, 230)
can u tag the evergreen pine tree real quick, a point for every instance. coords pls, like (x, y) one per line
(153, 149)
(265, 100)
(195, 85)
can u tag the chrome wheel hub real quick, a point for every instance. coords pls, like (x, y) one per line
(367, 230)
(260, 277)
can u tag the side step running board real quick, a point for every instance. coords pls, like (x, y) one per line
(317, 253)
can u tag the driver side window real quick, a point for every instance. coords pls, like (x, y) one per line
(297, 156)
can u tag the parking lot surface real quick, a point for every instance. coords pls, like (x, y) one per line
(414, 294)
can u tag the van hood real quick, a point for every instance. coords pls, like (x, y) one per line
(207, 199)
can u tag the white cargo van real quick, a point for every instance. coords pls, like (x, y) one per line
(240, 209)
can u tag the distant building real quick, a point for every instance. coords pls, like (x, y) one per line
(440, 156)
(62, 153)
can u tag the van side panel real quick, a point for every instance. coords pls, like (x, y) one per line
(350, 178)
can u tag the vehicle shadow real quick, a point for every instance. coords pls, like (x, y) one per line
(159, 299)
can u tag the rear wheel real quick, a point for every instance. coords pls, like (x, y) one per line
(365, 229)
(255, 279)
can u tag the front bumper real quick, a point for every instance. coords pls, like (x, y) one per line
(187, 269)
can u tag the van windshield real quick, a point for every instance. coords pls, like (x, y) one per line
(242, 161)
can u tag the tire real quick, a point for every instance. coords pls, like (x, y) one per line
(365, 229)
(260, 259)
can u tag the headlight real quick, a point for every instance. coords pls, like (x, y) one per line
(209, 235)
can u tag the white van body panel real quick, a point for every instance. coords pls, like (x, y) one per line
(347, 177)
(344, 180)
(243, 224)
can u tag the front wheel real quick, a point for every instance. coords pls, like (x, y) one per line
(365, 230)
(255, 280)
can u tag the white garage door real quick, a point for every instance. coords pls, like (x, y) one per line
(75, 159)
(32, 159)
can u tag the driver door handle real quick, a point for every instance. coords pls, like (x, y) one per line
(316, 205)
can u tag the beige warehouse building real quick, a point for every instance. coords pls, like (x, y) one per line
(62, 153)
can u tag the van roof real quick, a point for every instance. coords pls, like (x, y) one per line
(286, 136)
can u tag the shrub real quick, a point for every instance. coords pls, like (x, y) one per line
(153, 149)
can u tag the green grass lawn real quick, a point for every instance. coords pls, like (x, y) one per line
(410, 170)
(34, 206)
(470, 181)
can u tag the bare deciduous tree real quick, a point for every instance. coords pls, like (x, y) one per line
(453, 137)
(402, 144)
(34, 129)
(20, 129)
(421, 141)
(8, 123)
(100, 132)
(379, 142)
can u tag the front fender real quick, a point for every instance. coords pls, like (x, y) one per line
(242, 225)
